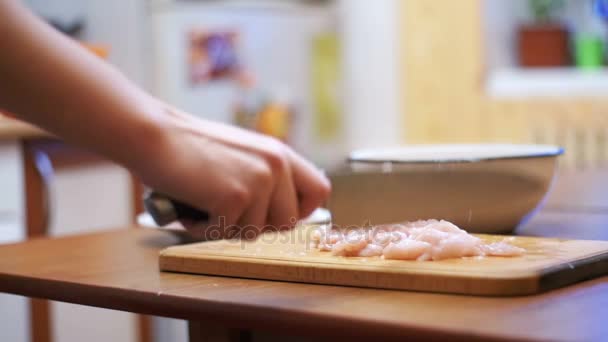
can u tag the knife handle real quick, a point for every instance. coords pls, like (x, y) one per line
(165, 210)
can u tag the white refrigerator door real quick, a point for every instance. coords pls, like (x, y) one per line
(13, 309)
(274, 44)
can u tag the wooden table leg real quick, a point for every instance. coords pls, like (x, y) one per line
(36, 171)
(202, 331)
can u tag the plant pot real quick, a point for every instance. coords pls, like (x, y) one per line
(543, 45)
(588, 51)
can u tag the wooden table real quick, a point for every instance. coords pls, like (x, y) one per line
(37, 146)
(118, 270)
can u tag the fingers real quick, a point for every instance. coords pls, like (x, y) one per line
(225, 209)
(242, 209)
(313, 187)
(248, 181)
(283, 213)
(310, 185)
(255, 216)
(219, 226)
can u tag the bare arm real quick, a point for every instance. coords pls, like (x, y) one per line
(49, 80)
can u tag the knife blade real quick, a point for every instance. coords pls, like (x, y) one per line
(357, 199)
(165, 209)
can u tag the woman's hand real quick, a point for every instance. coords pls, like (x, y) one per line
(247, 182)
(240, 178)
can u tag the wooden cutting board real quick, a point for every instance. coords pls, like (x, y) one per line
(547, 264)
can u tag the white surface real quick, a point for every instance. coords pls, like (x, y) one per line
(13, 309)
(170, 330)
(84, 323)
(86, 199)
(319, 215)
(274, 43)
(145, 220)
(499, 20)
(119, 24)
(455, 152)
(372, 73)
(580, 188)
(12, 229)
(14, 314)
(12, 200)
(551, 82)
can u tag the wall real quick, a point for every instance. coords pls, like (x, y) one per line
(118, 24)
(371, 66)
(444, 59)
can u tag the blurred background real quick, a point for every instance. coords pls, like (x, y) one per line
(326, 77)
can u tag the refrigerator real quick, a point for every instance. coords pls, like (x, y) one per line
(212, 58)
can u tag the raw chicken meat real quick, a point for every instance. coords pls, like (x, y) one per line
(353, 243)
(371, 250)
(501, 248)
(406, 249)
(418, 240)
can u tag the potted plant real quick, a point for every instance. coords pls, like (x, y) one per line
(543, 43)
(588, 45)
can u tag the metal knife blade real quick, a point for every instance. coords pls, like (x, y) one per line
(165, 210)
(376, 197)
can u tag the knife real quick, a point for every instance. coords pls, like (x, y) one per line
(165, 209)
(357, 199)
(349, 202)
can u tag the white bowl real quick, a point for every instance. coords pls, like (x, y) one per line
(484, 188)
(451, 153)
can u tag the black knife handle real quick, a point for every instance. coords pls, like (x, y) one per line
(165, 210)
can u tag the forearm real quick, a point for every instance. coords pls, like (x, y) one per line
(51, 81)
(237, 176)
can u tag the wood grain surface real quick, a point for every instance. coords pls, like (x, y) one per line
(119, 270)
(547, 263)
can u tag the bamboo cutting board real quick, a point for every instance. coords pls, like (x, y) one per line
(547, 264)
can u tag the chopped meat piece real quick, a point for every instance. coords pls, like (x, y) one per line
(406, 249)
(502, 248)
(418, 240)
(371, 250)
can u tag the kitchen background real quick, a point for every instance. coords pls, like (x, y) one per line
(327, 77)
